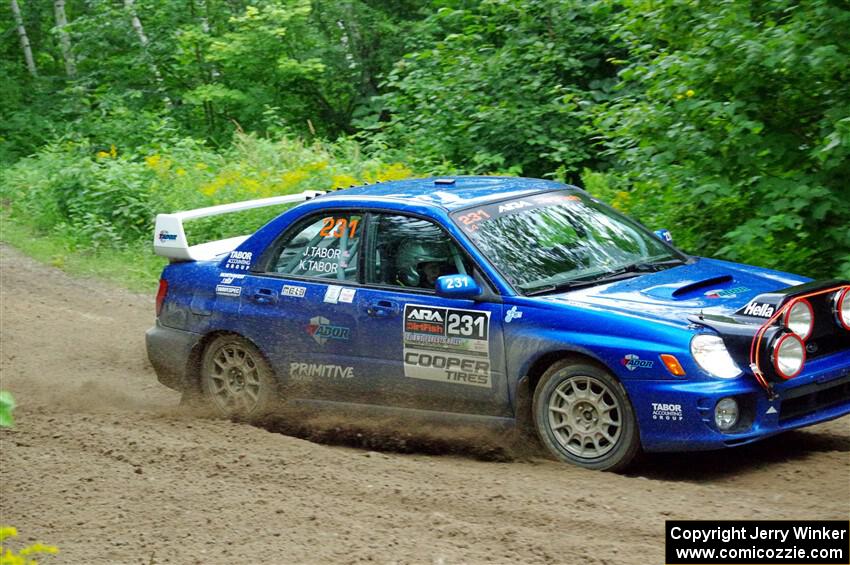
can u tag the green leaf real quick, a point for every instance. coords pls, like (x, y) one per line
(7, 405)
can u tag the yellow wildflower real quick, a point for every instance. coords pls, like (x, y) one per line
(621, 201)
(393, 171)
(113, 151)
(291, 178)
(343, 181)
(152, 161)
(102, 155)
(251, 185)
(180, 172)
(317, 166)
(689, 93)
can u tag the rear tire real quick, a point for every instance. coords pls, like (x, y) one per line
(236, 380)
(583, 416)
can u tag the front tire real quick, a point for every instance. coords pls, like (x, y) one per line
(236, 380)
(583, 417)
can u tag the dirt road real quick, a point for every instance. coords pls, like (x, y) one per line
(104, 465)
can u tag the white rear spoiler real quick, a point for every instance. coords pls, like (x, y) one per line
(169, 238)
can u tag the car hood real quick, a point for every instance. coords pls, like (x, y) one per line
(706, 285)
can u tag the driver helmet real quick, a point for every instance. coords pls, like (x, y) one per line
(412, 254)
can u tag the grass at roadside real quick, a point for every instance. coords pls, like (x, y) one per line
(135, 267)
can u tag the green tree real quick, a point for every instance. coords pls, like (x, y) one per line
(732, 124)
(503, 86)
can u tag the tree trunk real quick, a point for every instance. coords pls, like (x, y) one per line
(25, 40)
(130, 7)
(64, 38)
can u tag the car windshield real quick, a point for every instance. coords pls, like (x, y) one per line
(565, 238)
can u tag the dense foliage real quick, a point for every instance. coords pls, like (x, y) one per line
(734, 121)
(728, 122)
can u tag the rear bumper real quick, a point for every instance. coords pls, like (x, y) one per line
(170, 352)
(679, 416)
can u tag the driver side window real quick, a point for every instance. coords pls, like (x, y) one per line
(412, 252)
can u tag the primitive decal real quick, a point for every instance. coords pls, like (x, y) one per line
(312, 371)
(447, 345)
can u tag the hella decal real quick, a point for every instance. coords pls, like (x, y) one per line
(632, 362)
(758, 309)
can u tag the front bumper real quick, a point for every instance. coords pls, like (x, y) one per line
(170, 352)
(679, 416)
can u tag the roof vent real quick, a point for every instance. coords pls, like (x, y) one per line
(444, 181)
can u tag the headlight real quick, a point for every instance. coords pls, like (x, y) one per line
(841, 308)
(726, 414)
(800, 319)
(789, 355)
(711, 355)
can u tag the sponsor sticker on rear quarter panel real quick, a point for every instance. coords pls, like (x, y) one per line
(447, 345)
(228, 290)
(239, 260)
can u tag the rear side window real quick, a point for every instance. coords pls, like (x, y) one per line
(324, 246)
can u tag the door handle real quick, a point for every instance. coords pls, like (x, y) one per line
(382, 308)
(264, 296)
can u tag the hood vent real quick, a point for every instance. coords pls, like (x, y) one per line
(698, 285)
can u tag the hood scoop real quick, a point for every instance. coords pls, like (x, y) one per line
(681, 291)
(699, 285)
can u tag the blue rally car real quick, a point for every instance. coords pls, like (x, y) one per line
(507, 300)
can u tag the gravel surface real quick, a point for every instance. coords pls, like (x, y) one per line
(104, 464)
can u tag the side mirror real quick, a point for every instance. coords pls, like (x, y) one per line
(664, 235)
(457, 286)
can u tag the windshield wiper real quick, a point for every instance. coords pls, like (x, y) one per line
(626, 272)
(654, 266)
(617, 275)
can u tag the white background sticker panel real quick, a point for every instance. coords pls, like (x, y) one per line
(447, 345)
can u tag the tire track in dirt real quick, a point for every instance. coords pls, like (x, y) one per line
(103, 464)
